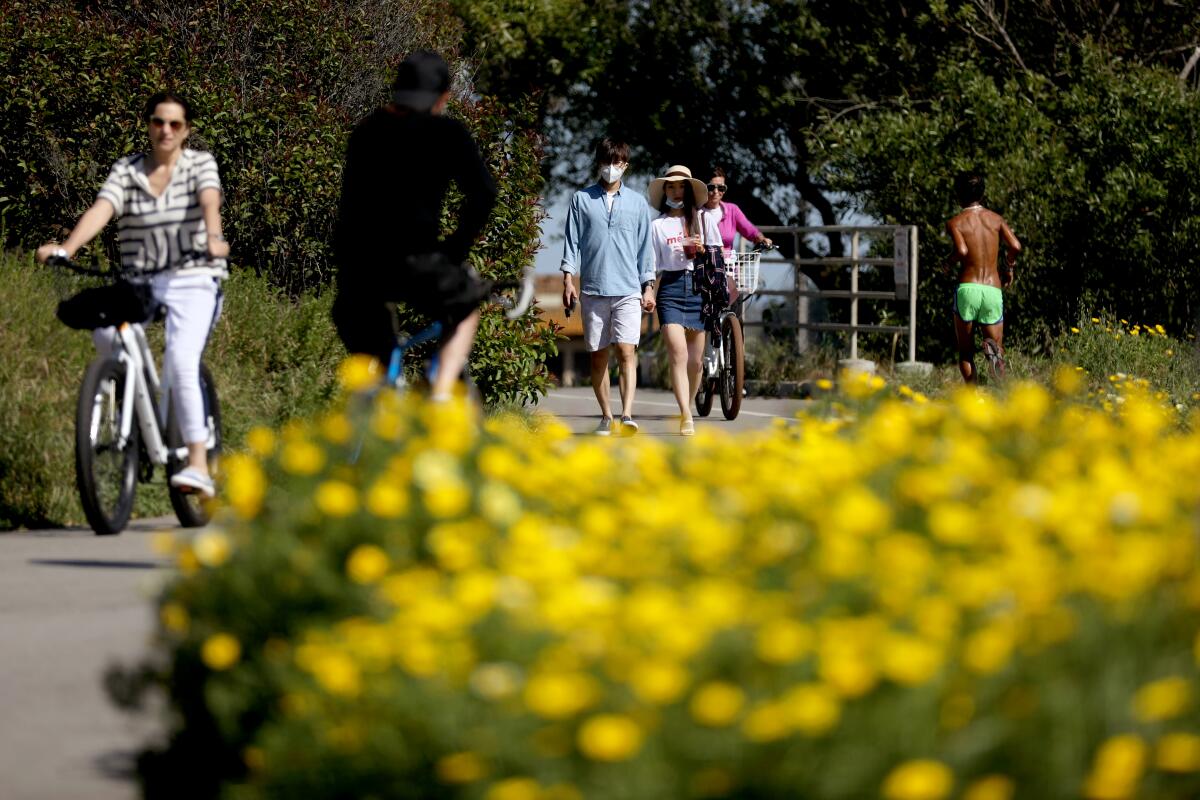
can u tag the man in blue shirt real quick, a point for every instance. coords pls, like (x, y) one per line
(608, 247)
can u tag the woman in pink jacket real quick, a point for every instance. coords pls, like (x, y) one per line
(730, 219)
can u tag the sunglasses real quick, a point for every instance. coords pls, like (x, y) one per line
(176, 124)
(717, 187)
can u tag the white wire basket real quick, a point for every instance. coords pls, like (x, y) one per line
(744, 269)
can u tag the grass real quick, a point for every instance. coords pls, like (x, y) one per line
(273, 358)
(1106, 351)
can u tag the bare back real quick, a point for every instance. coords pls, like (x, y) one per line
(976, 233)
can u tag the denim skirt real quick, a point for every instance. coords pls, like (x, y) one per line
(677, 300)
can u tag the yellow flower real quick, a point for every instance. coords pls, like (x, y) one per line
(495, 681)
(1178, 752)
(767, 722)
(337, 428)
(909, 660)
(212, 548)
(659, 682)
(514, 789)
(991, 787)
(498, 503)
(174, 617)
(359, 372)
(1117, 769)
(814, 709)
(245, 484)
(921, 779)
(609, 737)
(336, 499)
(261, 441)
(334, 670)
(989, 649)
(559, 695)
(367, 563)
(1163, 699)
(465, 767)
(220, 652)
(302, 457)
(783, 641)
(385, 499)
(717, 704)
(447, 499)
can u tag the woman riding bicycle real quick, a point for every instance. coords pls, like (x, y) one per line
(730, 219)
(168, 205)
(679, 233)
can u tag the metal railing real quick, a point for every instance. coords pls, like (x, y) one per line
(903, 262)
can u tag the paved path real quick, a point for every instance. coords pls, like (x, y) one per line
(658, 414)
(72, 604)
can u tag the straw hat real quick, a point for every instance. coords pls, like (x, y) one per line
(675, 173)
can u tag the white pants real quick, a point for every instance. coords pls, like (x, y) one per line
(192, 308)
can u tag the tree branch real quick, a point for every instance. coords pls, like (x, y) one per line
(988, 7)
(1190, 65)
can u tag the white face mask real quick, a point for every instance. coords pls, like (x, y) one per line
(674, 203)
(611, 173)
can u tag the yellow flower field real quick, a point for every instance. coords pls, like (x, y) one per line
(988, 597)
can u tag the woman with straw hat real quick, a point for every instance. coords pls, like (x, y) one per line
(680, 232)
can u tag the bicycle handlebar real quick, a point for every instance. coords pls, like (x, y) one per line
(68, 264)
(116, 272)
(514, 309)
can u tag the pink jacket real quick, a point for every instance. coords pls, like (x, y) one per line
(735, 221)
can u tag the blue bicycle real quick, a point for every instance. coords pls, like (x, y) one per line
(515, 297)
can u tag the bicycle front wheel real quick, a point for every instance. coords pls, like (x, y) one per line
(733, 371)
(105, 467)
(191, 508)
(708, 386)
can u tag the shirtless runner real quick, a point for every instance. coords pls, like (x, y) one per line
(976, 233)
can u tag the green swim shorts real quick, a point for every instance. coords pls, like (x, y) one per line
(975, 302)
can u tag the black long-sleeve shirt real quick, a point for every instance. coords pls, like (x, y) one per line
(398, 169)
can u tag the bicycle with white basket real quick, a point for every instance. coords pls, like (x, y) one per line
(125, 424)
(723, 370)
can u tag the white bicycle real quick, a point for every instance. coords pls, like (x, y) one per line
(125, 425)
(723, 370)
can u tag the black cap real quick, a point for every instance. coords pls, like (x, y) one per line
(420, 80)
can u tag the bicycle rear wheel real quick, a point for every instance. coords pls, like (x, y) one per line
(733, 372)
(192, 508)
(105, 468)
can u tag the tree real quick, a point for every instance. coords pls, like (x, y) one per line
(838, 104)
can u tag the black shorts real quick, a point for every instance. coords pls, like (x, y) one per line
(428, 283)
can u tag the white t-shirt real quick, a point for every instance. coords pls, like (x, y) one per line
(666, 239)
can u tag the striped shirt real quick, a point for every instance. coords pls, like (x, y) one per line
(165, 231)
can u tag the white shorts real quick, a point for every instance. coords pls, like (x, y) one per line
(610, 319)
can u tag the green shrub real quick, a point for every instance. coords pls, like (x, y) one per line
(277, 86)
(1113, 353)
(1095, 170)
(273, 358)
(945, 596)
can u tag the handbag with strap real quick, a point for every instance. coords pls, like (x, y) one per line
(104, 306)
